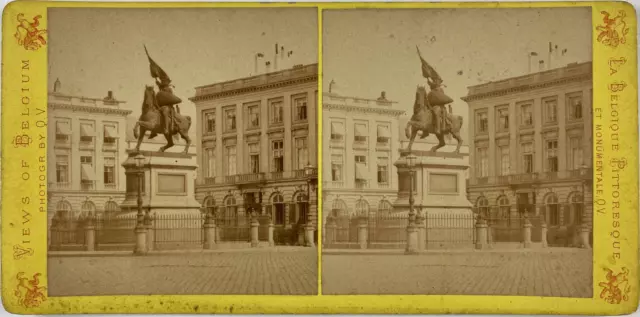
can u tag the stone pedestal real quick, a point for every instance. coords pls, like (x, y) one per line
(254, 232)
(526, 233)
(90, 236)
(440, 194)
(362, 233)
(543, 235)
(168, 190)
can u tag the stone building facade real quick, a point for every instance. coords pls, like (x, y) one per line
(256, 140)
(84, 154)
(531, 146)
(360, 144)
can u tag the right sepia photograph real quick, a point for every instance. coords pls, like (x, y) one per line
(457, 152)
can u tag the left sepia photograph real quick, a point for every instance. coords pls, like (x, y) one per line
(183, 151)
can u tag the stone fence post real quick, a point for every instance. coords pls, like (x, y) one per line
(584, 236)
(270, 233)
(90, 234)
(362, 232)
(330, 235)
(526, 232)
(481, 233)
(151, 232)
(422, 231)
(254, 231)
(543, 234)
(55, 239)
(209, 232)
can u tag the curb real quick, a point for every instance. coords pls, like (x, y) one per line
(452, 252)
(63, 254)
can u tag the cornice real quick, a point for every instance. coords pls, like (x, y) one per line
(528, 87)
(348, 108)
(257, 88)
(106, 110)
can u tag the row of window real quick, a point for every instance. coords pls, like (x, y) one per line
(551, 203)
(550, 154)
(86, 170)
(252, 113)
(229, 216)
(339, 208)
(87, 133)
(64, 210)
(361, 174)
(525, 110)
(276, 154)
(360, 133)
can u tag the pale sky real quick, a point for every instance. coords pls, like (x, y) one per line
(96, 50)
(369, 50)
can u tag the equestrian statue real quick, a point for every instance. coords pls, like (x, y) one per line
(158, 113)
(429, 113)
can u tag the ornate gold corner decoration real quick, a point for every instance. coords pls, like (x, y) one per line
(613, 31)
(616, 288)
(28, 34)
(28, 292)
(20, 252)
(22, 140)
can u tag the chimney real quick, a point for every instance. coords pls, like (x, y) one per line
(541, 63)
(110, 95)
(57, 86)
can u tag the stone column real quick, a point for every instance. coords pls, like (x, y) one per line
(526, 232)
(90, 235)
(481, 233)
(362, 232)
(309, 235)
(543, 234)
(54, 234)
(254, 231)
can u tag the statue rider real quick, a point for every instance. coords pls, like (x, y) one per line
(165, 97)
(166, 100)
(436, 97)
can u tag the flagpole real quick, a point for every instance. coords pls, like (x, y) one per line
(529, 56)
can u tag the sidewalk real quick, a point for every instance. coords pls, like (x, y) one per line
(56, 254)
(450, 251)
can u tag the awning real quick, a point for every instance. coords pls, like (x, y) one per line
(337, 128)
(62, 128)
(110, 132)
(360, 130)
(383, 132)
(361, 171)
(86, 171)
(85, 130)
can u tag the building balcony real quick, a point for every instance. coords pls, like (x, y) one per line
(244, 179)
(384, 185)
(87, 185)
(59, 186)
(112, 186)
(362, 184)
(109, 146)
(532, 178)
(333, 184)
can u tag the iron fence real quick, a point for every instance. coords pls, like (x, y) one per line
(115, 233)
(450, 230)
(387, 228)
(179, 231)
(233, 227)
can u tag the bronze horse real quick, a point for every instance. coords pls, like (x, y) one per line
(422, 120)
(151, 120)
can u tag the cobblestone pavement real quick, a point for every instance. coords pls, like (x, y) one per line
(557, 274)
(291, 272)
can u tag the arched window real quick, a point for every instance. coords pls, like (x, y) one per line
(302, 207)
(111, 207)
(64, 211)
(577, 207)
(278, 208)
(339, 208)
(87, 210)
(384, 208)
(503, 207)
(482, 204)
(552, 208)
(362, 207)
(230, 215)
(209, 205)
